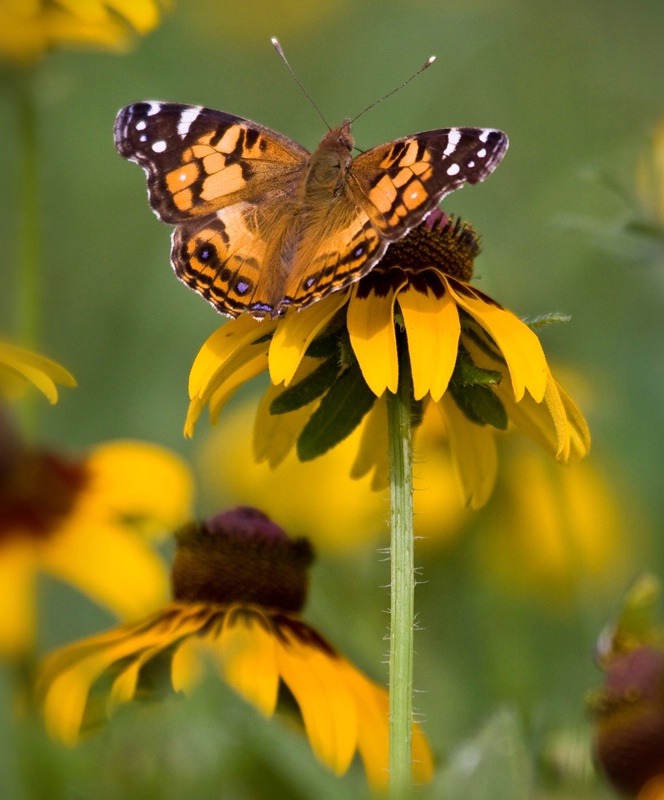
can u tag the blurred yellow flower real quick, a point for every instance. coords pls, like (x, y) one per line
(31, 28)
(19, 367)
(650, 178)
(239, 584)
(320, 498)
(569, 525)
(79, 521)
(331, 364)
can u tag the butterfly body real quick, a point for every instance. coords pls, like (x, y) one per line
(262, 224)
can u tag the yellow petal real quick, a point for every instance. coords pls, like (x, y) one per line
(112, 566)
(547, 423)
(236, 335)
(38, 370)
(579, 432)
(370, 323)
(247, 651)
(315, 678)
(433, 328)
(232, 354)
(372, 451)
(141, 481)
(373, 726)
(243, 374)
(295, 333)
(519, 345)
(17, 596)
(275, 434)
(474, 455)
(373, 731)
(69, 673)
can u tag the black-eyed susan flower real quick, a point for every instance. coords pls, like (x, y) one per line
(81, 520)
(30, 28)
(20, 367)
(629, 709)
(331, 365)
(239, 584)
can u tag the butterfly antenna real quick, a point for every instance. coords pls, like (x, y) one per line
(424, 66)
(277, 47)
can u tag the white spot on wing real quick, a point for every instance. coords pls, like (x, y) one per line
(453, 138)
(453, 169)
(183, 176)
(142, 138)
(481, 153)
(159, 146)
(153, 108)
(484, 136)
(470, 164)
(141, 125)
(186, 118)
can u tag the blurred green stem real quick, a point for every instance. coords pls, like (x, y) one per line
(402, 584)
(28, 245)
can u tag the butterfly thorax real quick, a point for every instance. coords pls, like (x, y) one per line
(327, 169)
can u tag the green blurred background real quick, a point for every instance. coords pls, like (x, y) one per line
(578, 88)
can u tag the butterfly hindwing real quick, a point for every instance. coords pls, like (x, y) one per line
(347, 250)
(198, 160)
(402, 181)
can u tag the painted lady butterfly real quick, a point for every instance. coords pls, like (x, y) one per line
(263, 225)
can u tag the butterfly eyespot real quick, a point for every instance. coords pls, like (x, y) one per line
(242, 285)
(204, 254)
(358, 251)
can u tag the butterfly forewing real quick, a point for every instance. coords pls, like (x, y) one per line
(198, 160)
(402, 181)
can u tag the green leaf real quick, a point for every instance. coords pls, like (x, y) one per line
(495, 765)
(547, 319)
(466, 373)
(306, 390)
(480, 404)
(341, 410)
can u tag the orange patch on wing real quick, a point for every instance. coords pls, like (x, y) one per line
(181, 178)
(383, 194)
(414, 195)
(228, 141)
(222, 183)
(410, 156)
(184, 199)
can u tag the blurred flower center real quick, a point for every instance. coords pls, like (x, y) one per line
(38, 489)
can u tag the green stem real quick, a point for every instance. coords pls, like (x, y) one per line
(403, 585)
(29, 243)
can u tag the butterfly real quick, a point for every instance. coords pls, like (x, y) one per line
(263, 225)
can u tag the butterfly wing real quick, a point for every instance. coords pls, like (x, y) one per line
(227, 184)
(199, 160)
(337, 251)
(399, 183)
(228, 257)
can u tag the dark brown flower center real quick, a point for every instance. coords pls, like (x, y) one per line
(438, 245)
(38, 489)
(240, 556)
